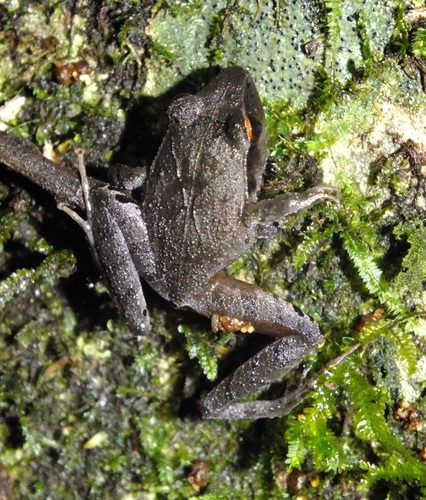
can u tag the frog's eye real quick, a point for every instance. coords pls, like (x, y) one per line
(253, 126)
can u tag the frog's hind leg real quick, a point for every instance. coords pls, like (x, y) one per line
(117, 236)
(120, 236)
(222, 401)
(266, 313)
(256, 374)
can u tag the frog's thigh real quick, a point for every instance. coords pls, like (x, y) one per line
(266, 312)
(117, 230)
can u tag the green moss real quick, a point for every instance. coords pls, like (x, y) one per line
(410, 280)
(419, 43)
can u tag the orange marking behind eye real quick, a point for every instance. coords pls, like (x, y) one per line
(249, 127)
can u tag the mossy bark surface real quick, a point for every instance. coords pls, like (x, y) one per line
(87, 410)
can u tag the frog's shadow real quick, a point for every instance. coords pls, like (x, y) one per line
(147, 120)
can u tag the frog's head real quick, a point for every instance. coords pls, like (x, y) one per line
(231, 108)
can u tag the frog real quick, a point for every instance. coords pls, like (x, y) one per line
(178, 224)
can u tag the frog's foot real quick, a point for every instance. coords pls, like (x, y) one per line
(222, 402)
(324, 192)
(332, 192)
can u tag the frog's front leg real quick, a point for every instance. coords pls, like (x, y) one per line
(274, 210)
(266, 313)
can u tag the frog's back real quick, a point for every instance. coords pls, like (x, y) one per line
(193, 207)
(207, 171)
